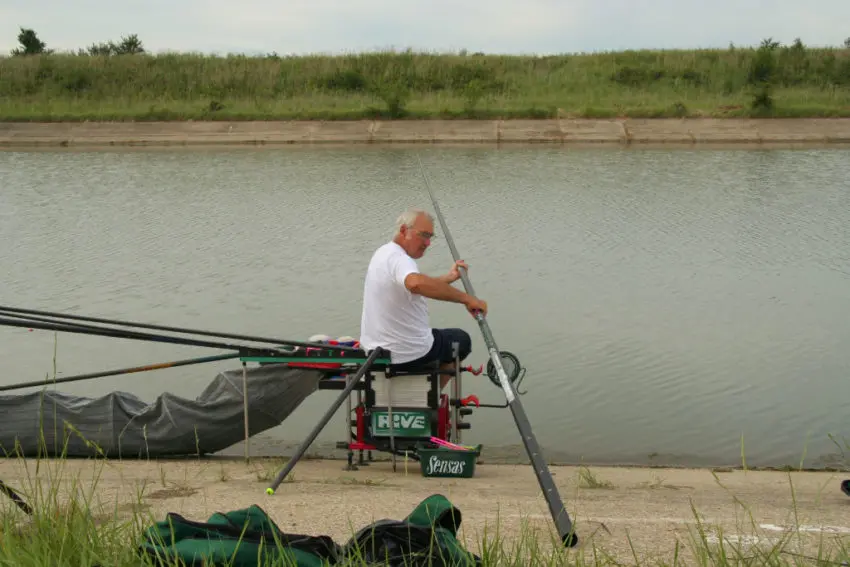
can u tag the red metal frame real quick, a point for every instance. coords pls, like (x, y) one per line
(361, 445)
(443, 429)
(444, 418)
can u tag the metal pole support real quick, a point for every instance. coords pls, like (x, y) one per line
(245, 411)
(325, 419)
(458, 375)
(347, 418)
(390, 419)
(455, 432)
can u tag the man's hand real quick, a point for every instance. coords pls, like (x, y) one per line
(454, 273)
(474, 305)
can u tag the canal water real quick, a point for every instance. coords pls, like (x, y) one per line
(672, 306)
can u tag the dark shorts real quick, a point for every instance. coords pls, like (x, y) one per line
(441, 350)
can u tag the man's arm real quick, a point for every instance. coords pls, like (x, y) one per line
(435, 288)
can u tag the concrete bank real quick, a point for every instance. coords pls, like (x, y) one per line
(789, 513)
(555, 131)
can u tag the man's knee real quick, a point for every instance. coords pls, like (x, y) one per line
(465, 345)
(464, 342)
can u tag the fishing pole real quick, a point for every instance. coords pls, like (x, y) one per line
(547, 484)
(79, 326)
(131, 370)
(16, 498)
(121, 334)
(10, 310)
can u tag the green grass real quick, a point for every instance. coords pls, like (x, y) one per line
(778, 81)
(73, 524)
(69, 528)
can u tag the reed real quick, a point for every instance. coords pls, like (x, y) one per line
(771, 80)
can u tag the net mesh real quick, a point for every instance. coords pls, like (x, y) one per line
(511, 365)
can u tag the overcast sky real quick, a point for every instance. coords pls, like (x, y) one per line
(535, 26)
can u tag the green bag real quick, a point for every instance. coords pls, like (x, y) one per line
(239, 538)
(248, 537)
(427, 537)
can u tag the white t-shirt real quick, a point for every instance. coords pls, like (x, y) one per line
(394, 318)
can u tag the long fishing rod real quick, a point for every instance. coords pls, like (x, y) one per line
(547, 484)
(8, 311)
(16, 498)
(121, 334)
(131, 370)
(79, 326)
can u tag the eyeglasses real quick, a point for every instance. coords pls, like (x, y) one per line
(425, 235)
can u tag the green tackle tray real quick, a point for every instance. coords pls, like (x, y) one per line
(438, 461)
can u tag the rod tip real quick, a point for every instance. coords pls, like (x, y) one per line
(570, 539)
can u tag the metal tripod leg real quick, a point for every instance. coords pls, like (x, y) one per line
(361, 462)
(458, 415)
(455, 432)
(350, 466)
(325, 419)
(390, 418)
(245, 411)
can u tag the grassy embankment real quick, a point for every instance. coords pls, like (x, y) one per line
(77, 521)
(772, 80)
(71, 525)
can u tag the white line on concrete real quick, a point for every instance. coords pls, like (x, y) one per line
(673, 520)
(805, 528)
(618, 519)
(742, 539)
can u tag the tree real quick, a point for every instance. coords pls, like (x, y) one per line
(847, 43)
(129, 45)
(30, 43)
(762, 74)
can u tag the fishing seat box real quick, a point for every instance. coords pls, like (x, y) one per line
(414, 402)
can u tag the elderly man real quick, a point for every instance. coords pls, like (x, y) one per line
(395, 314)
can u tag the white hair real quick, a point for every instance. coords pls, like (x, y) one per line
(408, 217)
